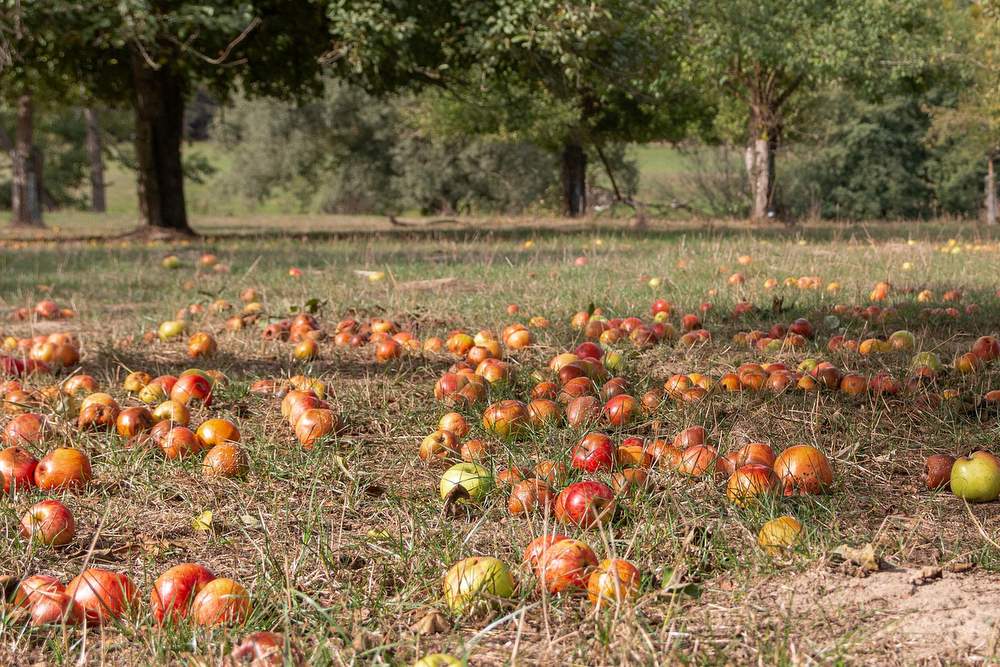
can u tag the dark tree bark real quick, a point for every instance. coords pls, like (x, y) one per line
(991, 191)
(26, 196)
(159, 127)
(574, 179)
(95, 154)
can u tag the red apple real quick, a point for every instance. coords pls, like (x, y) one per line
(102, 594)
(63, 468)
(17, 469)
(49, 522)
(174, 590)
(565, 565)
(803, 469)
(594, 452)
(585, 504)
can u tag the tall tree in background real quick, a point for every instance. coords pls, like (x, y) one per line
(95, 156)
(606, 69)
(766, 56)
(613, 66)
(148, 54)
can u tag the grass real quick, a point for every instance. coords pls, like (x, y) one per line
(343, 546)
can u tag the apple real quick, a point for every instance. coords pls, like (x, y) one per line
(902, 340)
(213, 432)
(696, 460)
(531, 496)
(221, 601)
(749, 482)
(976, 477)
(533, 552)
(102, 594)
(133, 421)
(17, 469)
(474, 583)
(264, 649)
(170, 329)
(593, 452)
(174, 590)
(553, 472)
(454, 423)
(27, 428)
(438, 445)
(226, 459)
(438, 660)
(63, 468)
(472, 477)
(803, 470)
(49, 522)
(564, 565)
(171, 412)
(802, 327)
(179, 442)
(613, 581)
(986, 348)
(31, 589)
(506, 419)
(585, 504)
(779, 535)
(621, 410)
(582, 410)
(55, 607)
(937, 471)
(192, 387)
(543, 413)
(928, 359)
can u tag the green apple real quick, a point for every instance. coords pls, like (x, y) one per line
(654, 282)
(477, 580)
(613, 360)
(472, 477)
(438, 660)
(902, 340)
(170, 329)
(171, 262)
(807, 365)
(976, 477)
(929, 359)
(661, 317)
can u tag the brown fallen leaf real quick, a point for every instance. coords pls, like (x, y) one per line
(925, 575)
(864, 558)
(959, 567)
(431, 623)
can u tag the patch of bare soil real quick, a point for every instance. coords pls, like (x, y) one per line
(907, 615)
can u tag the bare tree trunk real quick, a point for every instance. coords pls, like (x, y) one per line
(95, 154)
(574, 179)
(159, 125)
(26, 196)
(760, 164)
(991, 191)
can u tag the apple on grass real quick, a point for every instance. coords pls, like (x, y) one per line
(976, 477)
(466, 479)
(471, 583)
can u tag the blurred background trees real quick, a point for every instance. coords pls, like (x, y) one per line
(853, 109)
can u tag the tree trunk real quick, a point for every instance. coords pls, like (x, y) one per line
(991, 191)
(574, 179)
(760, 164)
(159, 125)
(26, 196)
(95, 154)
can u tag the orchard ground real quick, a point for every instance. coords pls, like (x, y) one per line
(343, 547)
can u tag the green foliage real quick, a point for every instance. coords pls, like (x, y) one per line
(347, 152)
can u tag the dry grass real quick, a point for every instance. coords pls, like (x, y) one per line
(343, 547)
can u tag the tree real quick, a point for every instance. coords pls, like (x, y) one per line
(766, 56)
(95, 156)
(149, 54)
(607, 69)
